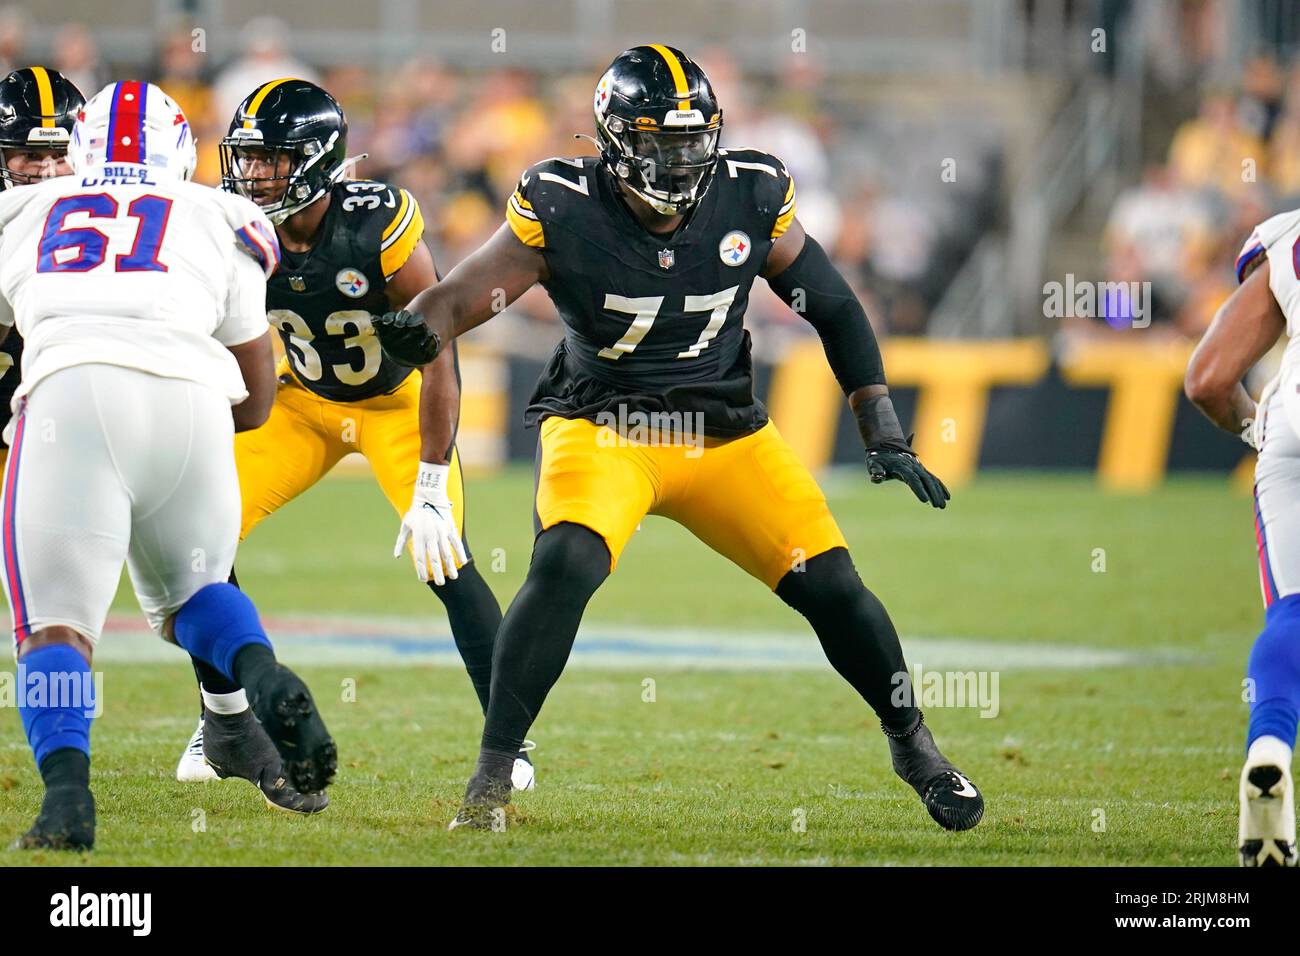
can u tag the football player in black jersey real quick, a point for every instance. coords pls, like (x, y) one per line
(349, 250)
(648, 252)
(37, 109)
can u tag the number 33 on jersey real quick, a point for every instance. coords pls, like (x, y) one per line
(322, 300)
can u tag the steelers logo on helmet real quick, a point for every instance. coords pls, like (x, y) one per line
(657, 126)
(733, 250)
(352, 283)
(38, 108)
(602, 92)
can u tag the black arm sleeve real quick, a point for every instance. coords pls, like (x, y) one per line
(813, 287)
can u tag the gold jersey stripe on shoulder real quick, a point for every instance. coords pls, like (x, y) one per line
(789, 195)
(402, 209)
(786, 214)
(524, 222)
(44, 95)
(261, 96)
(401, 237)
(678, 74)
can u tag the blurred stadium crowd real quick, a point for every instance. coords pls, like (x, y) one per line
(459, 140)
(1228, 167)
(1221, 154)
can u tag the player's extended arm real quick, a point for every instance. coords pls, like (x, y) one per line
(1243, 330)
(490, 278)
(439, 390)
(243, 330)
(256, 360)
(430, 523)
(800, 272)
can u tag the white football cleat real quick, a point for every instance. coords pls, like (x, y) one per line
(1266, 830)
(523, 776)
(193, 768)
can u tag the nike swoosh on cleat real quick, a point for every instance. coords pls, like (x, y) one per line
(967, 788)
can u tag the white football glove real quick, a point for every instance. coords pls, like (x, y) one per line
(430, 526)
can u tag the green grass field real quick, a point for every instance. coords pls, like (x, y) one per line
(1117, 741)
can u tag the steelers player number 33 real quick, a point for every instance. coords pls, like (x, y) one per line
(352, 325)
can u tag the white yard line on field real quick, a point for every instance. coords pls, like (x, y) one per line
(400, 641)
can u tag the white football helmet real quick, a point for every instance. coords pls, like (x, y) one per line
(133, 122)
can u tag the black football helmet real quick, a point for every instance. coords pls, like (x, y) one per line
(37, 110)
(294, 117)
(657, 126)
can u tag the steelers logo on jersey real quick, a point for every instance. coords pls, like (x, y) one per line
(734, 248)
(352, 283)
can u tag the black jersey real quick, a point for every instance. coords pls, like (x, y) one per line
(322, 300)
(652, 322)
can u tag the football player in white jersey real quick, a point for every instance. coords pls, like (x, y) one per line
(141, 300)
(1265, 307)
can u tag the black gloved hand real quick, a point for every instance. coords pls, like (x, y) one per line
(406, 339)
(895, 459)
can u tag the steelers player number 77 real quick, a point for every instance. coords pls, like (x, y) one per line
(649, 250)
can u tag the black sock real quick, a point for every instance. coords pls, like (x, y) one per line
(475, 617)
(855, 632)
(211, 679)
(494, 765)
(66, 766)
(536, 636)
(253, 664)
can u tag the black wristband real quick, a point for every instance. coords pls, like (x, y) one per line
(878, 424)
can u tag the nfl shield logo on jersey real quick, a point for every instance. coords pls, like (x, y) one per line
(665, 259)
(734, 248)
(352, 283)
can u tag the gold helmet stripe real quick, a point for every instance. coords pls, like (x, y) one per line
(678, 74)
(262, 94)
(45, 94)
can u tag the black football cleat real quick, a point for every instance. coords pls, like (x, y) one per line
(486, 797)
(236, 745)
(285, 708)
(950, 798)
(66, 821)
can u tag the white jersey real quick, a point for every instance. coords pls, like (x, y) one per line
(128, 266)
(1277, 239)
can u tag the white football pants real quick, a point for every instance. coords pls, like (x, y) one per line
(111, 464)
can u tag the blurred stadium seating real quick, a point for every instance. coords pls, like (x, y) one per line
(954, 156)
